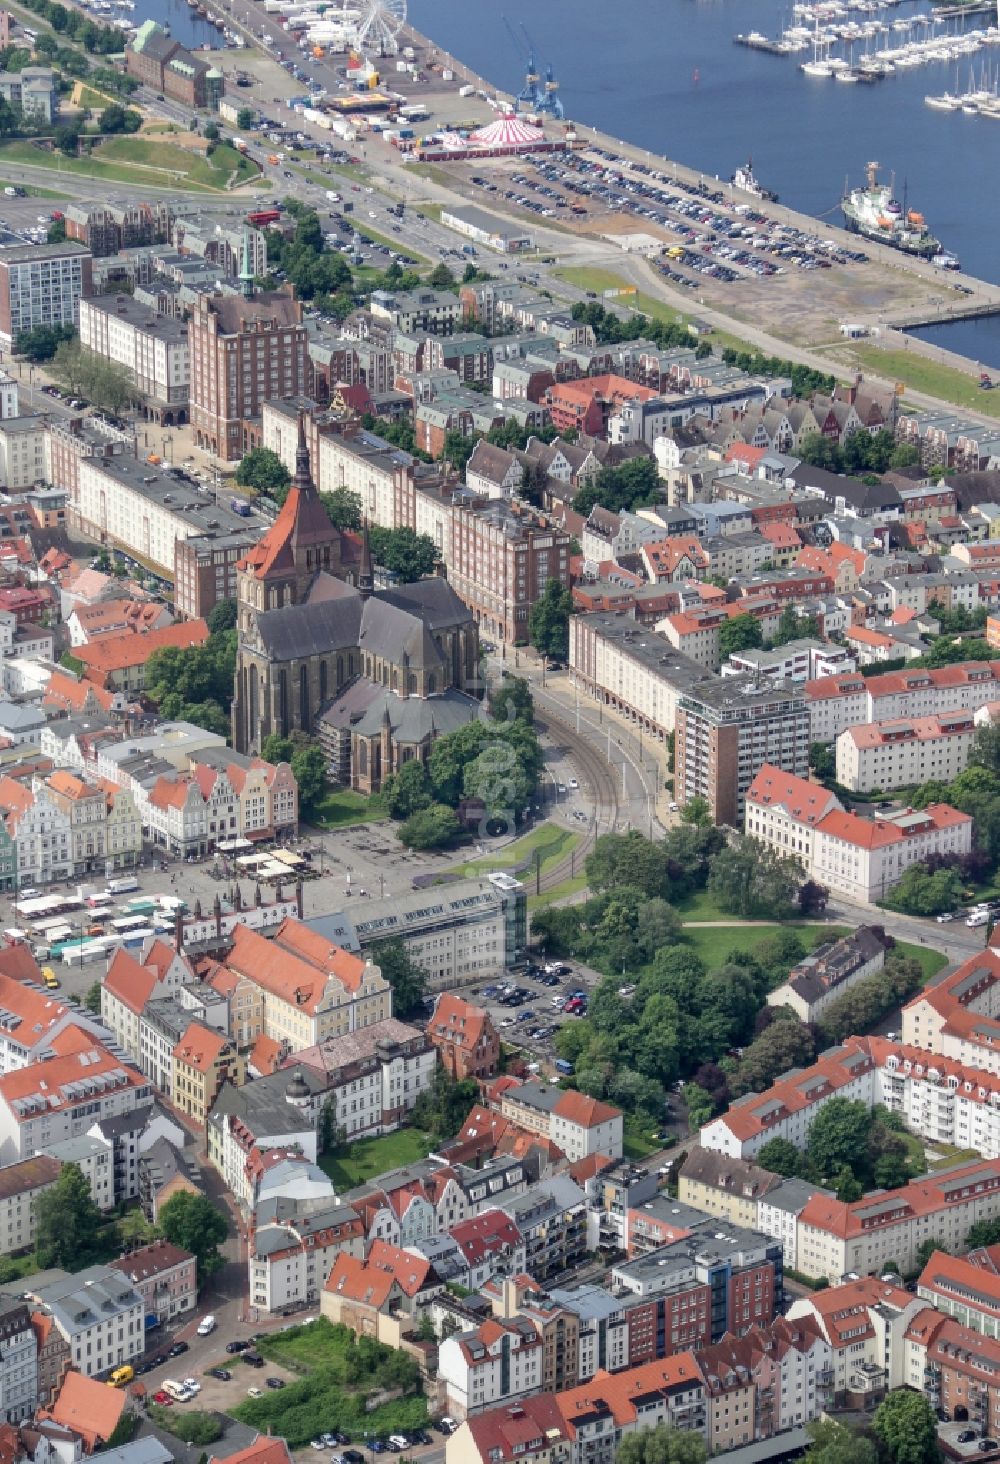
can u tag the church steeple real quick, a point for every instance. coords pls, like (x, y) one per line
(303, 467)
(366, 573)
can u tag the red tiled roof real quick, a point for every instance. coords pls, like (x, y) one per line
(579, 1108)
(804, 801)
(130, 982)
(91, 1409)
(484, 1234)
(117, 652)
(200, 1048)
(296, 964)
(620, 1393)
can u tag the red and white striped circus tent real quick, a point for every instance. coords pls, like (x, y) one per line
(508, 133)
(505, 137)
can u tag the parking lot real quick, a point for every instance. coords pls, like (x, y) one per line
(709, 232)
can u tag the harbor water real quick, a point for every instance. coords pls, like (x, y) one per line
(666, 75)
(190, 29)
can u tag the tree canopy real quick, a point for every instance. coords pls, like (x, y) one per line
(195, 683)
(67, 1222)
(628, 485)
(548, 622)
(739, 633)
(662, 1445)
(753, 881)
(906, 1427)
(407, 979)
(403, 551)
(196, 1225)
(263, 469)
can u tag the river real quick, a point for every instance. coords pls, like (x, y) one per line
(665, 74)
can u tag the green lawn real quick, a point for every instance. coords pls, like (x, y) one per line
(922, 374)
(915, 1153)
(146, 162)
(365, 1159)
(342, 806)
(554, 844)
(343, 1377)
(950, 1156)
(561, 891)
(713, 943)
(931, 961)
(635, 1143)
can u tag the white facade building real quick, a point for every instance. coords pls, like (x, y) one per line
(152, 348)
(100, 1314)
(905, 751)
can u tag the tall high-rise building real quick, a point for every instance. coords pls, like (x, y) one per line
(243, 353)
(42, 284)
(727, 728)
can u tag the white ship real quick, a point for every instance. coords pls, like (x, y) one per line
(745, 179)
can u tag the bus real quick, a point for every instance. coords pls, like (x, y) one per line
(263, 217)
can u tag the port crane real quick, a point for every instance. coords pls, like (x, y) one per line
(538, 94)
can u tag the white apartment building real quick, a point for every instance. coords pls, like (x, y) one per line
(798, 661)
(24, 456)
(143, 509)
(290, 1259)
(18, 1361)
(839, 702)
(152, 348)
(836, 1239)
(861, 859)
(363, 463)
(490, 1364)
(578, 1124)
(374, 1075)
(100, 1314)
(41, 284)
(616, 661)
(65, 1096)
(864, 1323)
(695, 633)
(20, 1186)
(44, 841)
(905, 751)
(821, 977)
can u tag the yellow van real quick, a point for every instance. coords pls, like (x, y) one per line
(121, 1376)
(50, 978)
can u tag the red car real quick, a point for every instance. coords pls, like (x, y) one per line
(164, 1399)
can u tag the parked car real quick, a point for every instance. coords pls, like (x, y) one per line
(254, 1393)
(238, 1346)
(275, 1382)
(222, 1373)
(164, 1399)
(177, 1349)
(254, 1359)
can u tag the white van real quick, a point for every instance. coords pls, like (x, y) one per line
(123, 886)
(978, 917)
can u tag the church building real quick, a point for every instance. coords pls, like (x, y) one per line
(376, 675)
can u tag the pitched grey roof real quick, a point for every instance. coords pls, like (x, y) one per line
(363, 706)
(312, 629)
